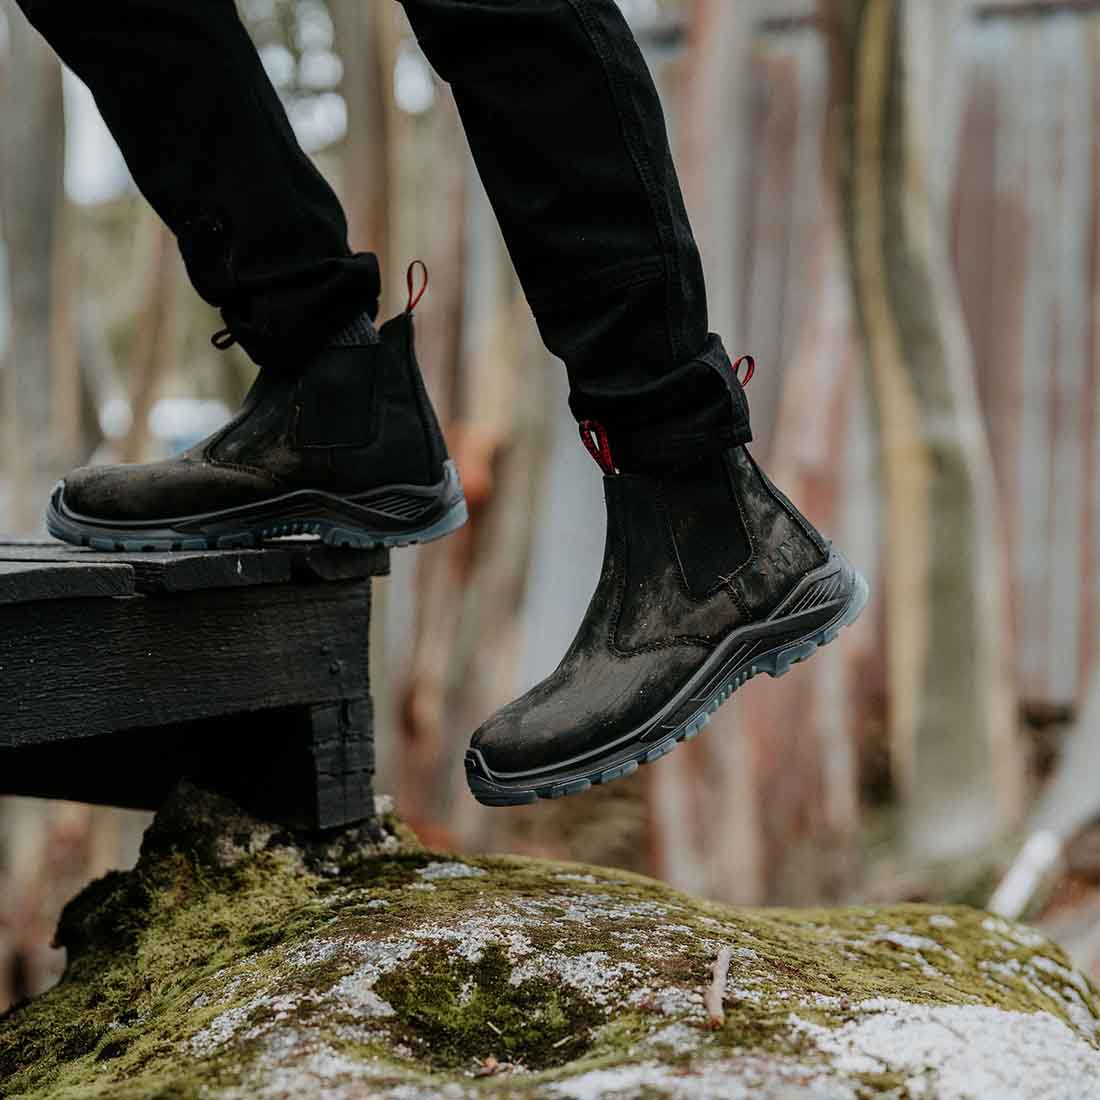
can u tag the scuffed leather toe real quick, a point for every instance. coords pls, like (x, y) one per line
(160, 490)
(582, 705)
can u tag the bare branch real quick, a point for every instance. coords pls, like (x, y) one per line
(713, 994)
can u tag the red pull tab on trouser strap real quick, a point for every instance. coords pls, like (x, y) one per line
(594, 438)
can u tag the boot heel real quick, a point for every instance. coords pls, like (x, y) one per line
(455, 518)
(780, 663)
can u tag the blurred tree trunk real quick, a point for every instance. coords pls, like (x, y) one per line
(360, 43)
(47, 850)
(72, 426)
(155, 332)
(755, 111)
(469, 589)
(810, 816)
(438, 236)
(953, 729)
(705, 832)
(32, 165)
(51, 851)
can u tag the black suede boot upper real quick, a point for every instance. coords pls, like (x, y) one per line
(690, 558)
(357, 418)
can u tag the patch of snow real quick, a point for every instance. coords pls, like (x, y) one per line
(314, 951)
(906, 940)
(753, 996)
(450, 870)
(230, 1024)
(592, 974)
(668, 1001)
(1015, 933)
(675, 1038)
(356, 992)
(470, 938)
(747, 1078)
(962, 1052)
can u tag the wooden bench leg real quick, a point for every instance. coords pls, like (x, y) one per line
(341, 748)
(307, 767)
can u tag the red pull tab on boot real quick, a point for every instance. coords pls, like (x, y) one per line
(594, 438)
(414, 297)
(750, 369)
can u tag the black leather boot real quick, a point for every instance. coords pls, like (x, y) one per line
(349, 450)
(710, 576)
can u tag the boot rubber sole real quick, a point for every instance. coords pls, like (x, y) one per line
(824, 602)
(393, 515)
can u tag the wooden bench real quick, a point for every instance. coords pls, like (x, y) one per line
(244, 671)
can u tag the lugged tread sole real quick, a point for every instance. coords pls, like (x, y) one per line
(246, 532)
(330, 534)
(776, 663)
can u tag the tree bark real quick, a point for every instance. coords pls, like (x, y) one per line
(953, 733)
(32, 164)
(359, 43)
(155, 330)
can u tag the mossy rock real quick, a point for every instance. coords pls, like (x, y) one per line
(238, 962)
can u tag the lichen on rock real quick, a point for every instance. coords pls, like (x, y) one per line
(240, 961)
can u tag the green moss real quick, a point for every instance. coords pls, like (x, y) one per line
(166, 959)
(139, 944)
(452, 1011)
(882, 1086)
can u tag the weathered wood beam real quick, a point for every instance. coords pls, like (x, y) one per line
(71, 669)
(190, 571)
(305, 766)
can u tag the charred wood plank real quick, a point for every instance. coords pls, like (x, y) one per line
(32, 581)
(310, 767)
(70, 670)
(191, 571)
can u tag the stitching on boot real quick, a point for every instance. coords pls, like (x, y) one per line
(211, 459)
(817, 541)
(754, 547)
(254, 470)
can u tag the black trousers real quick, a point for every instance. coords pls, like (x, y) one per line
(569, 139)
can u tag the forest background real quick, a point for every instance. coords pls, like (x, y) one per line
(898, 206)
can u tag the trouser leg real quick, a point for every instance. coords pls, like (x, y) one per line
(569, 138)
(207, 141)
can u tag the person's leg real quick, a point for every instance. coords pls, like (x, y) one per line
(337, 436)
(182, 89)
(567, 131)
(710, 574)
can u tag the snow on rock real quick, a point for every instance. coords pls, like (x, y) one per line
(252, 966)
(961, 1052)
(451, 869)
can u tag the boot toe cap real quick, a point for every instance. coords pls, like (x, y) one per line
(158, 490)
(502, 743)
(525, 736)
(587, 706)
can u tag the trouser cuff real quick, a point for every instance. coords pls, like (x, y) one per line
(282, 316)
(287, 322)
(703, 411)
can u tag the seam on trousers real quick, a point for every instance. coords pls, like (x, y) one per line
(637, 155)
(608, 280)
